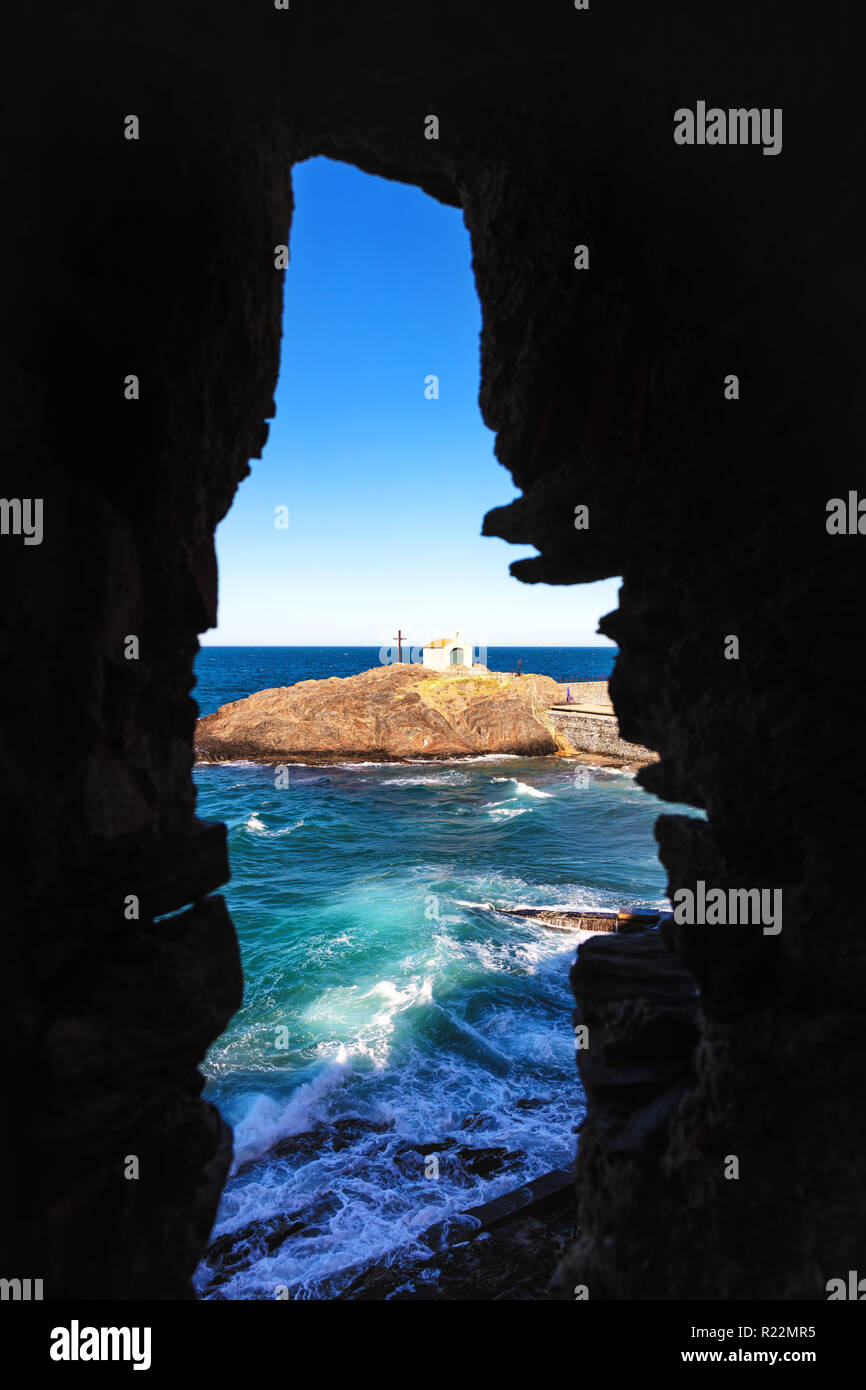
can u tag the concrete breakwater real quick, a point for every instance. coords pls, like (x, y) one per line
(595, 729)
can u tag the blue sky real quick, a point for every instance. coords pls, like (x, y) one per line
(385, 489)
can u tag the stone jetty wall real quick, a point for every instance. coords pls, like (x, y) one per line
(598, 733)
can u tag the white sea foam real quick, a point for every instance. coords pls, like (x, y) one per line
(256, 826)
(371, 1015)
(523, 788)
(451, 778)
(356, 1209)
(396, 999)
(490, 757)
(462, 760)
(227, 762)
(268, 1120)
(450, 1029)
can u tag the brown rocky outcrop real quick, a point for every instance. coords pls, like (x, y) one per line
(388, 713)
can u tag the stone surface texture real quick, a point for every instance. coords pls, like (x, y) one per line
(593, 733)
(604, 388)
(388, 713)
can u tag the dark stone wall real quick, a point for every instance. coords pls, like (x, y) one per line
(155, 257)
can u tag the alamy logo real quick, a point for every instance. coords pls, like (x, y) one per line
(854, 1289)
(22, 516)
(736, 126)
(846, 519)
(21, 1290)
(736, 907)
(75, 1343)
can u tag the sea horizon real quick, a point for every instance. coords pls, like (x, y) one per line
(221, 679)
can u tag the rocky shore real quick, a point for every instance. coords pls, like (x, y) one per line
(540, 1240)
(393, 714)
(505, 1248)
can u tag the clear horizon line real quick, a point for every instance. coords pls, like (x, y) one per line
(375, 646)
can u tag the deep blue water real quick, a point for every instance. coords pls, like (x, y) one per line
(381, 982)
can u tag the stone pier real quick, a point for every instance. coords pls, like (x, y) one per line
(595, 729)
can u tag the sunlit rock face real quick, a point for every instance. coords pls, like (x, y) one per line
(390, 713)
(605, 384)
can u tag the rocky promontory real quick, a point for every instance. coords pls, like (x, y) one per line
(390, 713)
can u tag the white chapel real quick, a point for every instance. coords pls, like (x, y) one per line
(446, 652)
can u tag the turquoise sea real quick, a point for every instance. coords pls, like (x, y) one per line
(390, 1011)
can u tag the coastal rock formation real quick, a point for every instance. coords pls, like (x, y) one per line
(639, 1006)
(388, 713)
(605, 387)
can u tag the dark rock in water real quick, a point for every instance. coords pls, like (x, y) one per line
(452, 1230)
(232, 1250)
(478, 1120)
(334, 1137)
(235, 1250)
(484, 1163)
(511, 1263)
(410, 1159)
(345, 1133)
(377, 1277)
(461, 1164)
(502, 1249)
